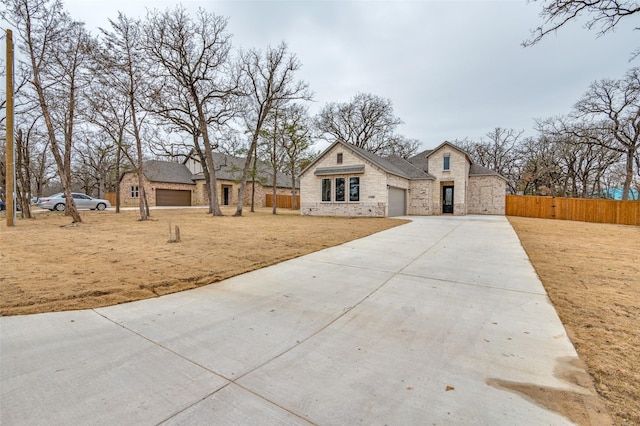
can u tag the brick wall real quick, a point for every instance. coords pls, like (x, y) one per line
(199, 196)
(131, 179)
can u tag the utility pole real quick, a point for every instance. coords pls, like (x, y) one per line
(10, 190)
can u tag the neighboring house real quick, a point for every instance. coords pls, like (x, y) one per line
(348, 181)
(183, 184)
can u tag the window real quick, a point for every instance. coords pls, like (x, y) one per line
(446, 163)
(134, 191)
(354, 189)
(326, 189)
(339, 158)
(340, 189)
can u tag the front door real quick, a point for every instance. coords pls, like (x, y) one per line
(225, 195)
(447, 199)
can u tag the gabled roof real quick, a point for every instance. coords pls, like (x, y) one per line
(415, 167)
(450, 145)
(230, 168)
(167, 171)
(421, 160)
(389, 165)
(409, 169)
(478, 170)
(227, 168)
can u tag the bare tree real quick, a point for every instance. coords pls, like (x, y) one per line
(194, 57)
(541, 172)
(295, 140)
(269, 83)
(97, 159)
(612, 108)
(108, 110)
(498, 151)
(272, 134)
(57, 48)
(122, 64)
(601, 14)
(366, 121)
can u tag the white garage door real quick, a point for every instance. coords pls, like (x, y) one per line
(397, 201)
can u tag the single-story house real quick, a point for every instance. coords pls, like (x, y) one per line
(346, 180)
(169, 183)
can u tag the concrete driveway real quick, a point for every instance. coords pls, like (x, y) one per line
(420, 324)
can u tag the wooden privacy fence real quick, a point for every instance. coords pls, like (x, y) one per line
(284, 201)
(110, 197)
(581, 209)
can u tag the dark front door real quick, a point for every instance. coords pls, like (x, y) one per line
(447, 199)
(225, 195)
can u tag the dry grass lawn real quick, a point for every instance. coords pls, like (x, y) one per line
(591, 271)
(47, 265)
(592, 275)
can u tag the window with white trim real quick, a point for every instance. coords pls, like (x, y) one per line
(446, 163)
(340, 189)
(354, 189)
(134, 191)
(326, 189)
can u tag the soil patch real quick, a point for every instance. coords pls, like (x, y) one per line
(591, 272)
(113, 258)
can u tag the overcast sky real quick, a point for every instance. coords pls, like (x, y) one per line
(453, 69)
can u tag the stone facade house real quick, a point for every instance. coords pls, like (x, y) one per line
(183, 184)
(348, 181)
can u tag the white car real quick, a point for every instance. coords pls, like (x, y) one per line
(57, 202)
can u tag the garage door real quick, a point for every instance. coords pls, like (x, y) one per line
(397, 201)
(172, 197)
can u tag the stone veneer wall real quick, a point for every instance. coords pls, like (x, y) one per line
(487, 195)
(373, 188)
(420, 194)
(456, 176)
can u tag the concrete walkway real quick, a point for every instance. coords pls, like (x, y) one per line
(413, 325)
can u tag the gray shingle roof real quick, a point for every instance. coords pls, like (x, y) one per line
(421, 160)
(230, 168)
(227, 168)
(390, 166)
(416, 167)
(478, 170)
(167, 171)
(409, 169)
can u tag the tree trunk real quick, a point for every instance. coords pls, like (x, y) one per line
(293, 186)
(118, 160)
(24, 185)
(629, 172)
(254, 174)
(214, 205)
(245, 173)
(274, 162)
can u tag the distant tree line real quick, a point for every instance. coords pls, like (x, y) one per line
(586, 153)
(168, 85)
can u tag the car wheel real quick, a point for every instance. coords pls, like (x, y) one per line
(59, 207)
(101, 206)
